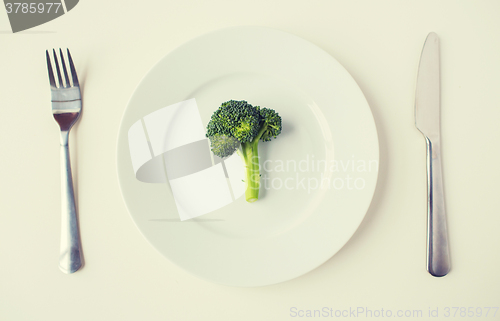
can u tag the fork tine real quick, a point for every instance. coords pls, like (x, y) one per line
(64, 68)
(73, 70)
(51, 73)
(59, 77)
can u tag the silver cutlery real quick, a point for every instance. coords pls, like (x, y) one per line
(66, 108)
(427, 120)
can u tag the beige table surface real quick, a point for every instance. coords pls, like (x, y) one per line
(115, 43)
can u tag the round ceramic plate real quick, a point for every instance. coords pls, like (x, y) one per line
(318, 176)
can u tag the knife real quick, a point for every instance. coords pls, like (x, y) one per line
(427, 120)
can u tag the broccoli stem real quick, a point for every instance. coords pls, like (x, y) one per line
(250, 156)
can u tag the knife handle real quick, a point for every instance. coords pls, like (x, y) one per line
(438, 254)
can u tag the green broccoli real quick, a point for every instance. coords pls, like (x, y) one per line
(239, 126)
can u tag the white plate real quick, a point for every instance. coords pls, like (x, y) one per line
(295, 226)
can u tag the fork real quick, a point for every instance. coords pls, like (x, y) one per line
(66, 108)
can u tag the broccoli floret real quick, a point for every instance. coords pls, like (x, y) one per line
(239, 126)
(272, 123)
(236, 119)
(223, 145)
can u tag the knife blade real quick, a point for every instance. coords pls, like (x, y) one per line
(427, 120)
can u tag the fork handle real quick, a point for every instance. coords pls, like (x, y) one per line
(70, 258)
(438, 255)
